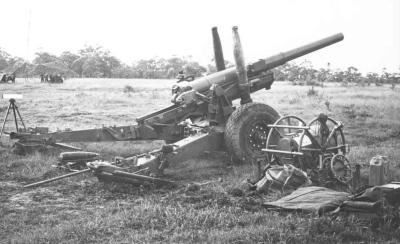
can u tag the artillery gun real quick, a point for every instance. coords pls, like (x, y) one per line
(201, 117)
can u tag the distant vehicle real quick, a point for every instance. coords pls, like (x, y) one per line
(5, 78)
(51, 78)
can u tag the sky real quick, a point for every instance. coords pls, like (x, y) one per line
(134, 29)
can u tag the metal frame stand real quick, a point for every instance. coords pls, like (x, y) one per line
(12, 106)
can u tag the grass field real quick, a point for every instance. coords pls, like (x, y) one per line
(82, 210)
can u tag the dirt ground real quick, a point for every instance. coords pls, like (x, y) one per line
(82, 210)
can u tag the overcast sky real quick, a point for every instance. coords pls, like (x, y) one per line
(134, 30)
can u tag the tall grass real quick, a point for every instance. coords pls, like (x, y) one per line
(82, 210)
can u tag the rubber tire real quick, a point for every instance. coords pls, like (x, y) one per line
(237, 128)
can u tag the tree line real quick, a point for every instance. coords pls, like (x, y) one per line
(98, 62)
(305, 73)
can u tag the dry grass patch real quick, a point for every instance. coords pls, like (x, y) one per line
(82, 210)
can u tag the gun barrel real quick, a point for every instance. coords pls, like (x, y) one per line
(281, 58)
(230, 75)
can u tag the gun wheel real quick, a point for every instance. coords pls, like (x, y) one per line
(247, 129)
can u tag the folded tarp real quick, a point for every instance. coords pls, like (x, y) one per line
(312, 199)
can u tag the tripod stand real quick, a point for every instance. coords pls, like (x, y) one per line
(12, 106)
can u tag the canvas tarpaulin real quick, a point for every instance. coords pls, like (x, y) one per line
(310, 199)
(282, 178)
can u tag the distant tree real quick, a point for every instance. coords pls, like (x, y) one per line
(171, 73)
(44, 57)
(10, 64)
(160, 68)
(211, 68)
(174, 65)
(322, 75)
(90, 67)
(372, 78)
(108, 64)
(90, 51)
(229, 64)
(123, 71)
(195, 69)
(385, 76)
(95, 62)
(281, 72)
(68, 58)
(144, 68)
(77, 65)
(4, 59)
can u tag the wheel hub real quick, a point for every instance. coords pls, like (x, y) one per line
(257, 136)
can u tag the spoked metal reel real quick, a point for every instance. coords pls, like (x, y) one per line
(283, 139)
(324, 137)
(316, 146)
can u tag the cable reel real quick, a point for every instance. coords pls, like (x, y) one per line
(316, 146)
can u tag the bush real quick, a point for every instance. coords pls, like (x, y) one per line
(128, 89)
(311, 92)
